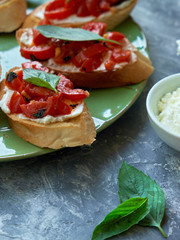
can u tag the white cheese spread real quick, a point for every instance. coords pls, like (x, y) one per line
(45, 120)
(169, 111)
(27, 38)
(5, 99)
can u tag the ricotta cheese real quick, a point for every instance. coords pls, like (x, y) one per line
(169, 111)
(27, 38)
(45, 120)
(5, 99)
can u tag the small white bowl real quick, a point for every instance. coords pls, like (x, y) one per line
(167, 84)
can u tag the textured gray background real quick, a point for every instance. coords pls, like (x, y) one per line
(65, 194)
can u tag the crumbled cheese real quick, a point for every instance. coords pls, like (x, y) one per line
(169, 111)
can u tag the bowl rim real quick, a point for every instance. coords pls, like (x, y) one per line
(149, 108)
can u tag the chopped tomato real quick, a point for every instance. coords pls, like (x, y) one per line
(97, 27)
(66, 87)
(53, 106)
(121, 56)
(57, 107)
(69, 50)
(36, 92)
(91, 63)
(64, 82)
(14, 81)
(56, 10)
(38, 38)
(35, 65)
(118, 56)
(59, 13)
(15, 102)
(38, 52)
(116, 36)
(93, 7)
(104, 5)
(88, 53)
(55, 4)
(109, 64)
(82, 10)
(74, 4)
(34, 109)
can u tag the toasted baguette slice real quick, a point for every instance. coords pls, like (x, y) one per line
(12, 14)
(73, 132)
(137, 70)
(114, 17)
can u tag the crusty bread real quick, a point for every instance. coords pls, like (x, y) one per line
(76, 131)
(12, 14)
(139, 69)
(112, 18)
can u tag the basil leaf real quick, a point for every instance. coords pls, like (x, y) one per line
(134, 183)
(122, 218)
(41, 78)
(70, 34)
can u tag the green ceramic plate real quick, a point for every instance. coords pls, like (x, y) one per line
(105, 105)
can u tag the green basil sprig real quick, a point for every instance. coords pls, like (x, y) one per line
(122, 218)
(134, 183)
(142, 202)
(41, 78)
(71, 34)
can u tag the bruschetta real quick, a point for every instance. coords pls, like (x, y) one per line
(75, 13)
(12, 14)
(48, 116)
(89, 64)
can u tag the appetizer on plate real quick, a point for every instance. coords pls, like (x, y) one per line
(12, 14)
(45, 109)
(75, 13)
(89, 57)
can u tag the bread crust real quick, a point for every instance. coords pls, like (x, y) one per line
(111, 18)
(70, 133)
(12, 14)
